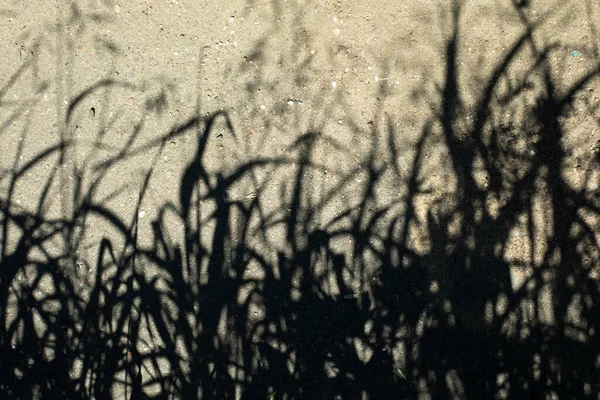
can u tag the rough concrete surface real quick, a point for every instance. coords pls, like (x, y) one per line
(299, 199)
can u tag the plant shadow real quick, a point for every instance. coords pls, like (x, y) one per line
(485, 291)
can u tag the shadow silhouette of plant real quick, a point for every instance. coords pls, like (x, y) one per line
(271, 295)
